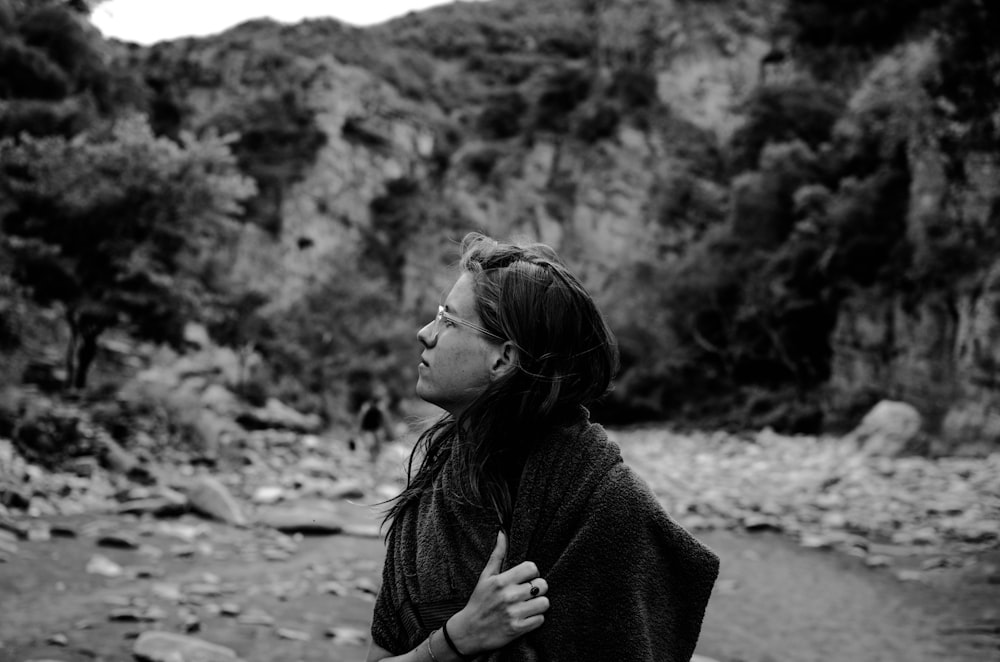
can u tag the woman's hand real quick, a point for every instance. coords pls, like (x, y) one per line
(503, 606)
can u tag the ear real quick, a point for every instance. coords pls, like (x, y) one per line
(503, 360)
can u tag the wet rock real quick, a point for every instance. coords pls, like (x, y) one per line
(211, 498)
(158, 646)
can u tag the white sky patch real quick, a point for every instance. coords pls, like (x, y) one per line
(148, 21)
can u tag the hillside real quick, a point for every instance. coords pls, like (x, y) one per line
(788, 213)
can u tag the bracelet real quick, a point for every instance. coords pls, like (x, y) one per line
(452, 646)
(431, 650)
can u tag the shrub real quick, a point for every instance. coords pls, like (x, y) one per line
(502, 115)
(596, 121)
(561, 92)
(784, 113)
(27, 73)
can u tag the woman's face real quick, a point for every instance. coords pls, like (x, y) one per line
(456, 362)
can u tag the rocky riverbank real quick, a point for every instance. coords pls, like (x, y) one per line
(169, 536)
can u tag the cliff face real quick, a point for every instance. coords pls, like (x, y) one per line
(937, 347)
(404, 171)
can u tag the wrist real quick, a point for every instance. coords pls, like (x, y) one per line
(456, 636)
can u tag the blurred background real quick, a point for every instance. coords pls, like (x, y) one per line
(221, 230)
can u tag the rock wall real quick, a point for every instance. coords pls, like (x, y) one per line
(938, 349)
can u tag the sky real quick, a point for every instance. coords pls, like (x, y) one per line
(148, 21)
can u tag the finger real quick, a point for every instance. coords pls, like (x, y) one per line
(531, 623)
(529, 608)
(520, 574)
(495, 562)
(535, 588)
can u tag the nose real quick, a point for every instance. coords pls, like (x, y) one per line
(426, 335)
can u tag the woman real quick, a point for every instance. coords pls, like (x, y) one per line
(522, 535)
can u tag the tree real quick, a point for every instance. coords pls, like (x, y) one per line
(117, 225)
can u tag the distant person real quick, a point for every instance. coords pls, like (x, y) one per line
(374, 425)
(521, 535)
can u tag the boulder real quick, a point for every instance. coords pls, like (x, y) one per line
(196, 336)
(158, 646)
(211, 498)
(311, 518)
(277, 415)
(890, 429)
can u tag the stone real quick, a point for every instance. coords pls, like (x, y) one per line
(159, 646)
(230, 609)
(292, 634)
(167, 591)
(267, 494)
(307, 518)
(118, 540)
(344, 489)
(277, 415)
(255, 617)
(211, 498)
(348, 635)
(196, 336)
(58, 640)
(102, 565)
(12, 526)
(890, 429)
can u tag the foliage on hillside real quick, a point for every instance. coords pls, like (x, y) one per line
(821, 206)
(809, 200)
(100, 216)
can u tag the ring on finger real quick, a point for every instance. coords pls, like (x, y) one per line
(534, 589)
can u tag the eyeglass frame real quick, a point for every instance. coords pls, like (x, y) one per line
(444, 314)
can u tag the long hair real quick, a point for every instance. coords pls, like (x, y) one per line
(566, 358)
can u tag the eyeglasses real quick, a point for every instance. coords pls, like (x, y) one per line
(442, 314)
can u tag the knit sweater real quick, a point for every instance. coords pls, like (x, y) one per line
(626, 582)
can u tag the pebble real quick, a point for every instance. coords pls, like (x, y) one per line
(292, 634)
(348, 635)
(101, 565)
(820, 490)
